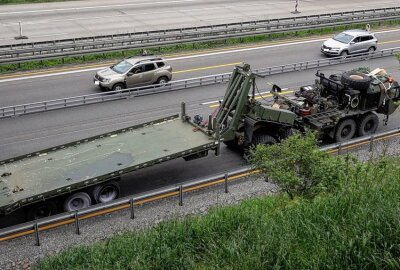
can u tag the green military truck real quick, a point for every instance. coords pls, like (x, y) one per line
(338, 108)
(75, 175)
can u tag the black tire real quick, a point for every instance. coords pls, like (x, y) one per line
(286, 133)
(263, 139)
(41, 210)
(162, 80)
(356, 80)
(367, 124)
(345, 130)
(371, 49)
(344, 54)
(77, 201)
(118, 86)
(106, 192)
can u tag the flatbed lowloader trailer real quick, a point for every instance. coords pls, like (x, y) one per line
(77, 174)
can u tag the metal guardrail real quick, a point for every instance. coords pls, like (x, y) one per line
(34, 227)
(16, 53)
(69, 102)
(127, 202)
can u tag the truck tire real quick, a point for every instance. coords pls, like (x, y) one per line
(41, 210)
(345, 130)
(106, 192)
(356, 80)
(77, 201)
(367, 124)
(263, 139)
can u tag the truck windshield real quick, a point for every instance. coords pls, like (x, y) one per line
(344, 38)
(121, 67)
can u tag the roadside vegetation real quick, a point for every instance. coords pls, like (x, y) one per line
(333, 213)
(186, 48)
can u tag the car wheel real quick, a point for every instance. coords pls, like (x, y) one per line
(371, 49)
(77, 201)
(162, 80)
(118, 87)
(344, 54)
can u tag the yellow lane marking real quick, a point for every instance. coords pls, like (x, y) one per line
(257, 97)
(390, 41)
(205, 68)
(261, 44)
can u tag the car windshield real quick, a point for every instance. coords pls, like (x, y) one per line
(121, 67)
(344, 38)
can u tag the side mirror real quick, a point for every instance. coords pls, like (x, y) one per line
(351, 43)
(129, 73)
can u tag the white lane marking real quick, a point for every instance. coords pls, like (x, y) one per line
(182, 57)
(98, 7)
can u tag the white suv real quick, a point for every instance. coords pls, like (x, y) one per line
(348, 42)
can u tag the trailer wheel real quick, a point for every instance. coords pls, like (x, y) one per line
(368, 124)
(77, 201)
(345, 130)
(263, 139)
(42, 210)
(106, 192)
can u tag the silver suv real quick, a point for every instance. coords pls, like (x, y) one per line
(348, 42)
(134, 71)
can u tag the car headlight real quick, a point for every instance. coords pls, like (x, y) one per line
(106, 80)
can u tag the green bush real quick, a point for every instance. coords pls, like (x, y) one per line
(298, 167)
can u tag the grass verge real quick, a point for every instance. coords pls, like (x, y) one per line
(93, 58)
(355, 227)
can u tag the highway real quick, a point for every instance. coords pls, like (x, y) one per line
(87, 18)
(75, 81)
(38, 131)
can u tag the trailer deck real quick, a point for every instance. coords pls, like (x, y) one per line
(50, 173)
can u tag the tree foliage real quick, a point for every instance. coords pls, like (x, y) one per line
(299, 167)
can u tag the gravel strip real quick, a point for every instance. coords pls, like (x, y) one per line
(22, 252)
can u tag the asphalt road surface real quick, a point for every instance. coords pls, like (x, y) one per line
(49, 21)
(75, 81)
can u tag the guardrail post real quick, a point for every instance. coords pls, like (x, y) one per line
(339, 149)
(180, 195)
(371, 143)
(226, 183)
(132, 211)
(77, 231)
(36, 228)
